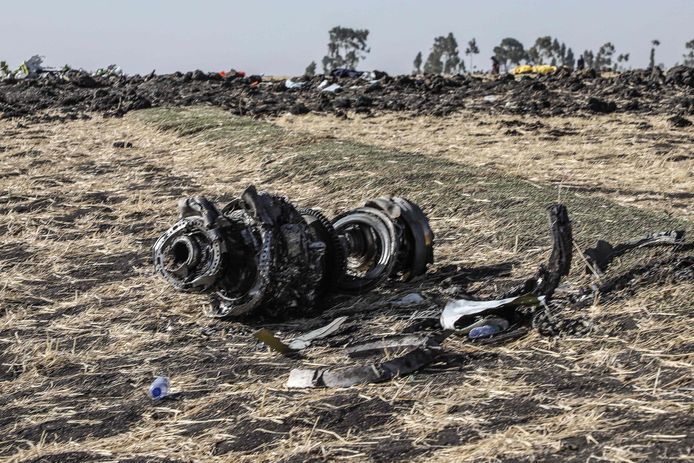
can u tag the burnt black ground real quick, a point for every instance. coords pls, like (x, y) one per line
(563, 93)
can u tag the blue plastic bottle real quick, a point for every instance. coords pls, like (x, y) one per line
(159, 388)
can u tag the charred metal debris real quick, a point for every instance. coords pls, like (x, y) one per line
(261, 256)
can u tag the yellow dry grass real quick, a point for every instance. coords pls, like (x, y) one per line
(85, 325)
(636, 160)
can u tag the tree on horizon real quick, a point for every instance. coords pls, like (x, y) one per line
(622, 59)
(570, 61)
(654, 43)
(444, 57)
(511, 51)
(471, 50)
(541, 52)
(418, 63)
(588, 59)
(346, 48)
(689, 56)
(603, 59)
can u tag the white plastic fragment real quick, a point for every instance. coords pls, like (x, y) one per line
(301, 378)
(110, 70)
(455, 310)
(289, 83)
(332, 88)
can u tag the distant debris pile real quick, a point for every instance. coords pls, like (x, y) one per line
(536, 90)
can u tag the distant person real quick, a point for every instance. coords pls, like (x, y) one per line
(580, 64)
(495, 66)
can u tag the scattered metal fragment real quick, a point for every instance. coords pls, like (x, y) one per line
(559, 263)
(332, 88)
(303, 341)
(557, 314)
(554, 319)
(370, 373)
(260, 253)
(31, 67)
(461, 315)
(521, 303)
(266, 337)
(548, 276)
(672, 269)
(388, 344)
(602, 255)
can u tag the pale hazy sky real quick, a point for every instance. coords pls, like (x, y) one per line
(282, 37)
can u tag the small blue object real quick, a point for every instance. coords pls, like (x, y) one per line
(159, 388)
(483, 331)
(492, 326)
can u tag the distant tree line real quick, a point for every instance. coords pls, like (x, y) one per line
(548, 50)
(347, 47)
(444, 56)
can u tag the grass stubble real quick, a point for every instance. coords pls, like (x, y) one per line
(85, 325)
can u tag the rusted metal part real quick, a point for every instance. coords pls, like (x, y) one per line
(261, 254)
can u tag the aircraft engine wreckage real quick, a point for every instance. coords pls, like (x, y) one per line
(260, 253)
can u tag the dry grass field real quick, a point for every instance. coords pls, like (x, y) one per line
(85, 325)
(636, 160)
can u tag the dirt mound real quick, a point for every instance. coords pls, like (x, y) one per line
(680, 75)
(75, 93)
